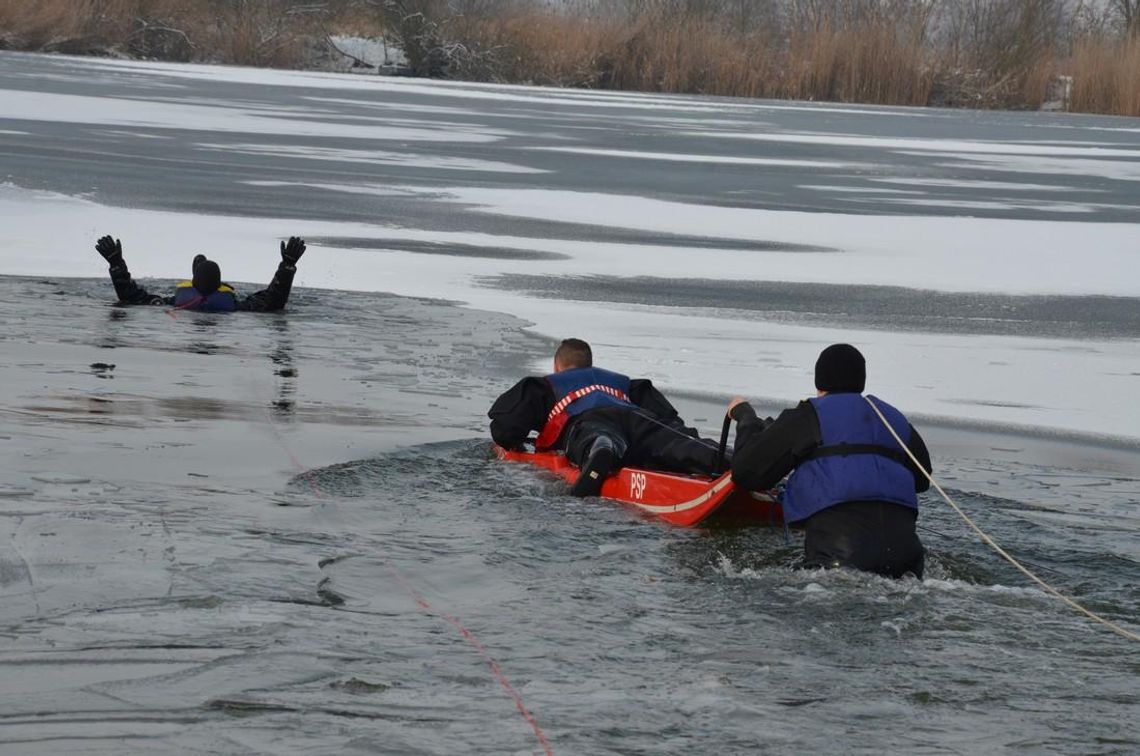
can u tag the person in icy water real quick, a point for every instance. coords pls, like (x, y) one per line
(851, 486)
(601, 419)
(205, 291)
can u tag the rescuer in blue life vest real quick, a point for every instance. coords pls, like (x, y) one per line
(205, 291)
(601, 419)
(852, 487)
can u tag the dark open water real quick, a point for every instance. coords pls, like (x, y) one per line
(216, 547)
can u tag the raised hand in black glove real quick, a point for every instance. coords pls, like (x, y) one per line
(111, 249)
(291, 252)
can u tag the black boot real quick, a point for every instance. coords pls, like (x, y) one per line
(603, 460)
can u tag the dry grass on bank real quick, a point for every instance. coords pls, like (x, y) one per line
(278, 33)
(658, 56)
(38, 23)
(873, 63)
(879, 59)
(1106, 76)
(876, 62)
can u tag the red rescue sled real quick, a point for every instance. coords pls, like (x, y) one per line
(679, 499)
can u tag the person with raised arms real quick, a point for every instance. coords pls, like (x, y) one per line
(205, 291)
(602, 420)
(852, 486)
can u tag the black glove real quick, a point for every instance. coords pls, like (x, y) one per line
(291, 252)
(111, 249)
(738, 411)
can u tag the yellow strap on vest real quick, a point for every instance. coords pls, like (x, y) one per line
(224, 288)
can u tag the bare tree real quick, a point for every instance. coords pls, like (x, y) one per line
(1129, 11)
(430, 34)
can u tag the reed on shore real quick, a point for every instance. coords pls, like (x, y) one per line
(1004, 54)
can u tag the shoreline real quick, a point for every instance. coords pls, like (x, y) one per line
(524, 86)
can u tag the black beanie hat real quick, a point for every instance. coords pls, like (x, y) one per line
(207, 276)
(841, 368)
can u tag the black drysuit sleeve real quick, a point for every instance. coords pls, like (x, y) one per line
(269, 299)
(644, 395)
(130, 292)
(521, 409)
(765, 451)
(918, 447)
(274, 296)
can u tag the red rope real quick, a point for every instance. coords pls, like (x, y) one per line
(496, 670)
(420, 601)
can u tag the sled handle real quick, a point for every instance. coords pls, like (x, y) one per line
(723, 445)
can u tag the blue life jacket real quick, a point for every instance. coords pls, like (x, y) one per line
(579, 390)
(186, 297)
(857, 460)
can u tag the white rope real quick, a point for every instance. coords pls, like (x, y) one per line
(993, 544)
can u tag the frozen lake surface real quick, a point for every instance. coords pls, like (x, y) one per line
(1021, 231)
(252, 534)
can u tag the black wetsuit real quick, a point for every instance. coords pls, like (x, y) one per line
(269, 299)
(876, 536)
(651, 435)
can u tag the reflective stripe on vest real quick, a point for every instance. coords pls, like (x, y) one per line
(579, 390)
(857, 459)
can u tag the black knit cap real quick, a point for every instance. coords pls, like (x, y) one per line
(841, 368)
(207, 276)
